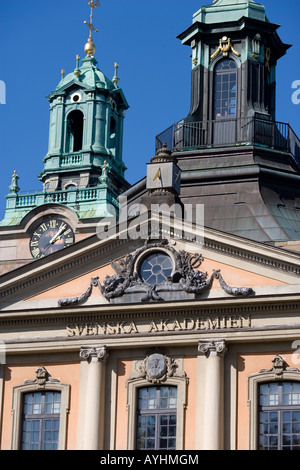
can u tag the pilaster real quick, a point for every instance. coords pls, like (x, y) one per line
(94, 396)
(213, 418)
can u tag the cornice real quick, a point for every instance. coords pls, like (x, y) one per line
(214, 308)
(254, 257)
(172, 338)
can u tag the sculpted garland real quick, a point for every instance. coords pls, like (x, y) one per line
(186, 277)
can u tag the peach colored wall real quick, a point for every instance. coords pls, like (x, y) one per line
(124, 370)
(237, 277)
(190, 368)
(249, 364)
(233, 276)
(77, 286)
(67, 373)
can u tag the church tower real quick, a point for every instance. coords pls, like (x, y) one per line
(235, 50)
(83, 172)
(236, 160)
(86, 130)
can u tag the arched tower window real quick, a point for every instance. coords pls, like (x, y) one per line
(225, 89)
(74, 131)
(113, 127)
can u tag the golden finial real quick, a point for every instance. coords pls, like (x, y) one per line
(116, 78)
(77, 71)
(63, 72)
(90, 48)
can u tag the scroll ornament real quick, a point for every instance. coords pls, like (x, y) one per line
(157, 367)
(42, 378)
(186, 276)
(225, 46)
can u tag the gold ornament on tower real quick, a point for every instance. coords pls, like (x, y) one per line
(90, 47)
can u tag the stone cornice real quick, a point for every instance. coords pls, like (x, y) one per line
(215, 307)
(185, 338)
(255, 257)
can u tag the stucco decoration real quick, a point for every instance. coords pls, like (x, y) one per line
(279, 367)
(157, 367)
(185, 282)
(42, 378)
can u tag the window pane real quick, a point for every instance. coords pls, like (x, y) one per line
(50, 434)
(31, 435)
(279, 428)
(225, 90)
(41, 433)
(52, 402)
(158, 429)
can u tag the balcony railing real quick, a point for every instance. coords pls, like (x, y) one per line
(229, 132)
(84, 195)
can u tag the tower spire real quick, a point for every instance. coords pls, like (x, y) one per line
(90, 47)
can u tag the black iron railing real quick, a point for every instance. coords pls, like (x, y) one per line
(228, 132)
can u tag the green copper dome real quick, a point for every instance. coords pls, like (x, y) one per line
(223, 11)
(89, 75)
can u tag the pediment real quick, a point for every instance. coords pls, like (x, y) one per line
(107, 272)
(73, 84)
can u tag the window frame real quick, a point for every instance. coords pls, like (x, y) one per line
(253, 397)
(157, 412)
(279, 409)
(162, 273)
(40, 417)
(132, 407)
(222, 73)
(74, 125)
(17, 410)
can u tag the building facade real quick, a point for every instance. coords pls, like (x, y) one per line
(177, 325)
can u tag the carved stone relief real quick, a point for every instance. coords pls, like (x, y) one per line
(279, 367)
(184, 283)
(157, 367)
(42, 378)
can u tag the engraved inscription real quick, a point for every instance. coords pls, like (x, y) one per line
(158, 326)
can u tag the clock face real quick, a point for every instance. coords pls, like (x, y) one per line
(50, 236)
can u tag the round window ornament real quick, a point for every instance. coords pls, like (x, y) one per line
(76, 97)
(156, 268)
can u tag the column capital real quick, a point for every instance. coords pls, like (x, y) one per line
(214, 347)
(94, 353)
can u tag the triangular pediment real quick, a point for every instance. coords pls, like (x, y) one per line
(73, 84)
(206, 266)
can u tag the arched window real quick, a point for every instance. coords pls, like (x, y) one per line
(156, 418)
(40, 410)
(113, 127)
(156, 404)
(279, 416)
(40, 420)
(74, 132)
(274, 405)
(225, 89)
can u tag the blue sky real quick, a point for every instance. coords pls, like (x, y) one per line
(39, 38)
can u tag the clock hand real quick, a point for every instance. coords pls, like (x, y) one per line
(52, 241)
(57, 236)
